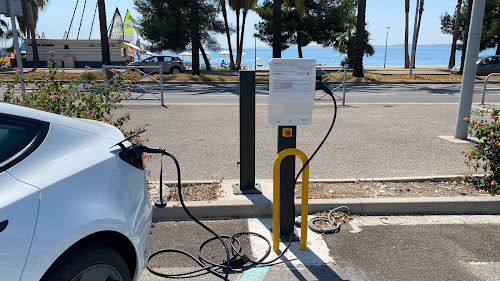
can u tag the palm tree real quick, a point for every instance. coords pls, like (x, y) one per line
(245, 6)
(228, 33)
(407, 15)
(277, 29)
(30, 25)
(466, 35)
(360, 40)
(420, 12)
(451, 64)
(106, 58)
(195, 37)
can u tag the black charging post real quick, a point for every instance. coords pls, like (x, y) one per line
(247, 183)
(287, 138)
(291, 102)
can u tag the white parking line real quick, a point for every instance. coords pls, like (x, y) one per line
(317, 252)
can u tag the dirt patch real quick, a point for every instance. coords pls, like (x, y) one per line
(389, 189)
(190, 192)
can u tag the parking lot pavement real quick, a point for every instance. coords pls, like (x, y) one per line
(369, 249)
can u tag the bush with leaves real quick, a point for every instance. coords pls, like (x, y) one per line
(65, 96)
(485, 154)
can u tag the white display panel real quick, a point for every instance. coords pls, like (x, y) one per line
(291, 91)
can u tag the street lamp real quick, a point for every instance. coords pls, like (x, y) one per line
(255, 46)
(386, 37)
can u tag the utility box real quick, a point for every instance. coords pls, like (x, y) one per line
(69, 62)
(291, 91)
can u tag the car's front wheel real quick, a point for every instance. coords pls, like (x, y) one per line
(89, 262)
(176, 70)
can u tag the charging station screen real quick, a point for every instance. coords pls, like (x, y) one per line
(291, 91)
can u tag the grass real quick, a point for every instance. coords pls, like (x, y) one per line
(96, 75)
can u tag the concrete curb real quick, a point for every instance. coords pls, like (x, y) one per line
(480, 205)
(260, 205)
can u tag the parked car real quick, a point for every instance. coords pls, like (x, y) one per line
(70, 207)
(170, 64)
(485, 66)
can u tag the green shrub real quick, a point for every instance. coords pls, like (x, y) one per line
(65, 96)
(485, 154)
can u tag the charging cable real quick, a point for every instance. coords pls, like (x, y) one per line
(234, 257)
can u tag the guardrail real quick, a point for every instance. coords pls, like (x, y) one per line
(141, 70)
(342, 82)
(486, 84)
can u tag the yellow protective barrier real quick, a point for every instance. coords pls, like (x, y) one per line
(276, 198)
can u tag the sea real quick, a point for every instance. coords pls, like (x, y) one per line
(426, 55)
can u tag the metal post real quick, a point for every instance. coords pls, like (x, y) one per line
(16, 43)
(469, 74)
(161, 84)
(414, 44)
(344, 83)
(287, 138)
(486, 84)
(247, 183)
(386, 37)
(255, 48)
(104, 75)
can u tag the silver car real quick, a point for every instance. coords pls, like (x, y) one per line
(170, 64)
(485, 65)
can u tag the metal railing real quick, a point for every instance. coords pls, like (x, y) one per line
(145, 71)
(341, 81)
(486, 85)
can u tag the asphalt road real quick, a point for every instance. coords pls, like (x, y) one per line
(391, 131)
(454, 248)
(355, 93)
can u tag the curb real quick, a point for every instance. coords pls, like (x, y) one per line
(258, 205)
(479, 205)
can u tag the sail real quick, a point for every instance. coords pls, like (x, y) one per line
(128, 28)
(116, 28)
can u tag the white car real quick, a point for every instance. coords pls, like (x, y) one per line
(70, 207)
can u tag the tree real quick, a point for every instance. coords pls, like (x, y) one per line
(195, 37)
(244, 5)
(420, 12)
(106, 57)
(228, 33)
(490, 37)
(360, 40)
(324, 22)
(347, 44)
(30, 25)
(407, 15)
(165, 24)
(451, 63)
(277, 29)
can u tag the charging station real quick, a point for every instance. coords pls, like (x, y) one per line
(292, 85)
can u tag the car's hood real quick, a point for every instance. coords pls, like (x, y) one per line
(86, 125)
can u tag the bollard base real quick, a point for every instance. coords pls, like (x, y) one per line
(238, 191)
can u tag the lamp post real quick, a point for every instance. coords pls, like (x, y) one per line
(255, 46)
(386, 37)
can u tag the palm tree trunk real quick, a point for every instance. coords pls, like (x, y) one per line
(451, 64)
(360, 40)
(277, 29)
(407, 15)
(466, 36)
(31, 28)
(238, 61)
(299, 47)
(228, 35)
(195, 37)
(205, 58)
(420, 12)
(106, 58)
(237, 38)
(498, 48)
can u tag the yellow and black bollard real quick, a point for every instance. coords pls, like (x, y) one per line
(276, 197)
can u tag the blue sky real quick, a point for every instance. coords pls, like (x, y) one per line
(380, 14)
